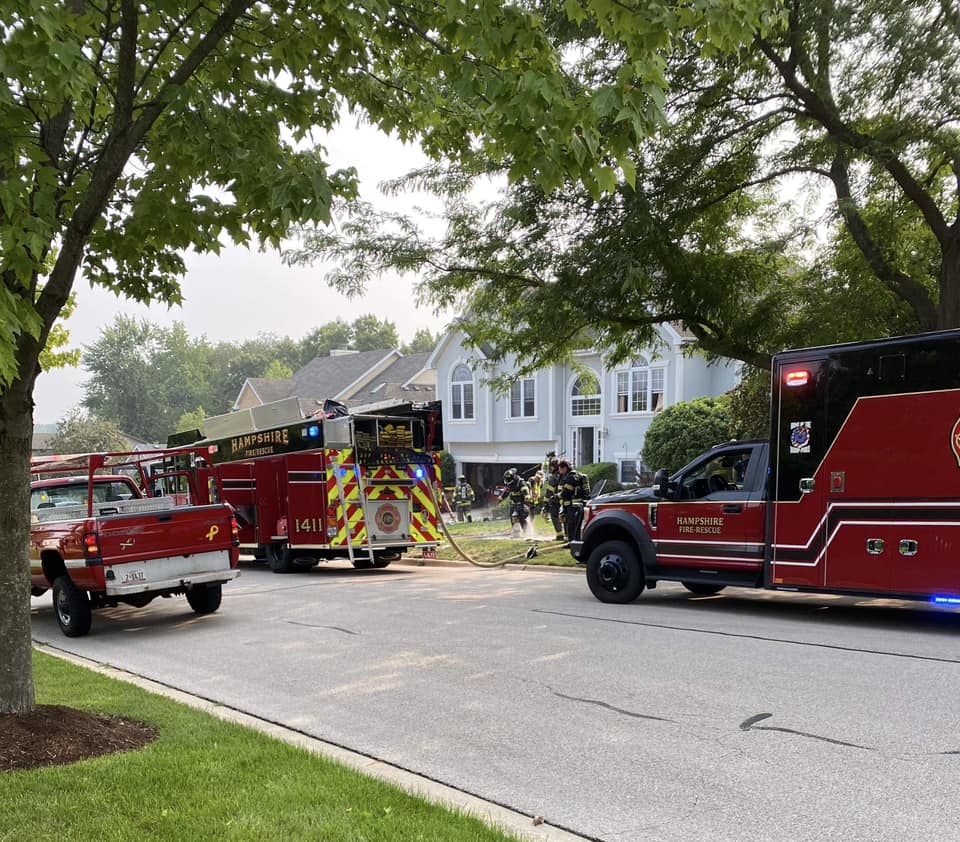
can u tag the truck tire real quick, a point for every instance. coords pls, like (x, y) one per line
(615, 572)
(382, 560)
(72, 607)
(363, 563)
(702, 588)
(205, 599)
(278, 557)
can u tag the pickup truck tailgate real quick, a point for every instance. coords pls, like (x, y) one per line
(143, 550)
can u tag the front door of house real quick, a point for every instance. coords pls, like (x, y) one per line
(583, 449)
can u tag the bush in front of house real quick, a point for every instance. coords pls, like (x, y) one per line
(605, 472)
(686, 430)
(448, 469)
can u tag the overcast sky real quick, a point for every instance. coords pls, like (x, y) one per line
(241, 293)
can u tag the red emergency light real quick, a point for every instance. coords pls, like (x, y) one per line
(799, 377)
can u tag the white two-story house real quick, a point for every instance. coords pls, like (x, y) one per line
(587, 411)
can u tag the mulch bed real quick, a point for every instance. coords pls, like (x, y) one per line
(53, 735)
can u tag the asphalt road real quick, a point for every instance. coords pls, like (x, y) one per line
(744, 716)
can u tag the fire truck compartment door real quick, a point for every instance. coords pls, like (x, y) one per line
(388, 521)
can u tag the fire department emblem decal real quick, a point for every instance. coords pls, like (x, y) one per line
(388, 518)
(955, 441)
(799, 436)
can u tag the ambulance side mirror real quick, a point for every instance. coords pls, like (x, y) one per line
(661, 483)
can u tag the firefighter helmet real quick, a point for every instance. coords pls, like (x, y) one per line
(510, 475)
(461, 478)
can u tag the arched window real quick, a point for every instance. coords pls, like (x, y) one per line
(640, 388)
(585, 396)
(461, 394)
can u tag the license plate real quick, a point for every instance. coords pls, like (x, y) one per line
(131, 576)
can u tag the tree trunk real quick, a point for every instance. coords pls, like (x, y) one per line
(16, 438)
(948, 308)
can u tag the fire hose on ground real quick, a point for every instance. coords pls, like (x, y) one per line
(532, 552)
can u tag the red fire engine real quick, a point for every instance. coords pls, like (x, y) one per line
(354, 486)
(856, 492)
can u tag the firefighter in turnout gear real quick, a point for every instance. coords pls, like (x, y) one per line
(536, 488)
(518, 492)
(463, 496)
(551, 496)
(574, 492)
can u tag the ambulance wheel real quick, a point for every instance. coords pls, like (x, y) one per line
(205, 599)
(72, 607)
(702, 588)
(615, 572)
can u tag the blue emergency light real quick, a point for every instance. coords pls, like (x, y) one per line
(313, 431)
(946, 600)
(418, 473)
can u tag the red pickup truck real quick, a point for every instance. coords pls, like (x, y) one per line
(126, 528)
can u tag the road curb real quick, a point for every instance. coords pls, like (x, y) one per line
(503, 818)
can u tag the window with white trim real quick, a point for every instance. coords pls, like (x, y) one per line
(523, 403)
(640, 388)
(461, 394)
(585, 396)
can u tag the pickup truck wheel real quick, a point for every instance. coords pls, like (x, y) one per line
(72, 606)
(615, 573)
(702, 588)
(205, 599)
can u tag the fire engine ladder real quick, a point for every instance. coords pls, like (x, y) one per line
(366, 518)
(346, 520)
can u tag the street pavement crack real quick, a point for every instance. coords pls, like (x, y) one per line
(742, 636)
(750, 724)
(598, 703)
(317, 626)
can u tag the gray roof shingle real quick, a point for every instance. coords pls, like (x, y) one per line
(327, 377)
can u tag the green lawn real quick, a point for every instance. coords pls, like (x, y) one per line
(490, 541)
(204, 779)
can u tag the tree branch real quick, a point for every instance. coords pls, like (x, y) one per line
(901, 284)
(826, 115)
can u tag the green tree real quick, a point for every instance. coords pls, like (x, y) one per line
(192, 420)
(278, 371)
(750, 405)
(122, 385)
(685, 430)
(847, 101)
(423, 342)
(232, 364)
(79, 433)
(55, 353)
(371, 334)
(328, 337)
(130, 133)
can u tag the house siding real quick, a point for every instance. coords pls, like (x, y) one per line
(495, 441)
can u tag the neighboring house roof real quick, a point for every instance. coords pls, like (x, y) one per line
(42, 436)
(353, 378)
(399, 381)
(329, 377)
(268, 391)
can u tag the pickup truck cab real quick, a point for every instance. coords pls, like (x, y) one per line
(99, 539)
